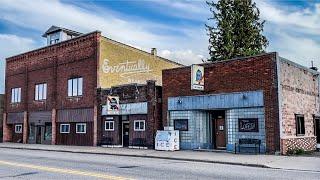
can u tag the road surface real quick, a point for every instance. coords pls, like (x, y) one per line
(31, 164)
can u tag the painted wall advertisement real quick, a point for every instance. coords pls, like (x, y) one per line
(197, 77)
(112, 107)
(167, 140)
(119, 64)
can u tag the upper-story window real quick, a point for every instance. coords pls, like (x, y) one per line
(15, 95)
(40, 92)
(54, 38)
(75, 86)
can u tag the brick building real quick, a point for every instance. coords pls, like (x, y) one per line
(138, 118)
(52, 92)
(1, 115)
(263, 97)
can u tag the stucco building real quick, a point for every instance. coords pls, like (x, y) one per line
(53, 92)
(264, 97)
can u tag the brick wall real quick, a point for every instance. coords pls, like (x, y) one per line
(134, 93)
(54, 65)
(245, 74)
(299, 90)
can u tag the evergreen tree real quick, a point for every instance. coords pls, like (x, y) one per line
(236, 30)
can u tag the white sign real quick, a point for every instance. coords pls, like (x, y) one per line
(167, 140)
(197, 77)
(113, 107)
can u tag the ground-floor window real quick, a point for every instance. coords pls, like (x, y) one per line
(109, 125)
(48, 131)
(31, 131)
(300, 125)
(139, 125)
(64, 128)
(81, 128)
(18, 128)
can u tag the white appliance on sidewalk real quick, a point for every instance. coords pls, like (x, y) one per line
(167, 139)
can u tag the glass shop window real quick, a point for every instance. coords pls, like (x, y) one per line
(139, 125)
(109, 125)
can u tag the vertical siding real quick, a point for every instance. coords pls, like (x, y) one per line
(73, 138)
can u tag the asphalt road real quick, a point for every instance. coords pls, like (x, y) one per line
(29, 164)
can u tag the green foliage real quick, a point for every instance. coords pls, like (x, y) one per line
(297, 151)
(236, 30)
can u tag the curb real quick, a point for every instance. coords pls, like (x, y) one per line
(143, 156)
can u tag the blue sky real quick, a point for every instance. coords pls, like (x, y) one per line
(175, 27)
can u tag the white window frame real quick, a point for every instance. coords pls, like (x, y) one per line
(139, 121)
(61, 128)
(75, 87)
(16, 95)
(108, 122)
(81, 124)
(15, 128)
(40, 92)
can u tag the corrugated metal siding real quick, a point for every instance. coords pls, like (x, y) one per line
(75, 115)
(43, 116)
(130, 108)
(217, 101)
(15, 118)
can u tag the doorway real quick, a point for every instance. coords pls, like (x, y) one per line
(39, 131)
(317, 130)
(219, 130)
(125, 133)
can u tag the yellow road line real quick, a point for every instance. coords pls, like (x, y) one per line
(65, 171)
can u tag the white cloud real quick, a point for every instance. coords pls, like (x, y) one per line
(305, 20)
(186, 57)
(302, 50)
(10, 45)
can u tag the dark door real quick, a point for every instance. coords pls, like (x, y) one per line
(317, 130)
(125, 134)
(38, 134)
(220, 133)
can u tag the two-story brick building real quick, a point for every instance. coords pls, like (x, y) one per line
(1, 115)
(264, 97)
(52, 92)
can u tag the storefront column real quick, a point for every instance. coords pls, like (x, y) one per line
(54, 126)
(25, 127)
(95, 125)
(7, 130)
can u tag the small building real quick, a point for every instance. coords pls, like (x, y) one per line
(1, 115)
(263, 97)
(52, 92)
(131, 115)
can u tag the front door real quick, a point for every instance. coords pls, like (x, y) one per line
(220, 133)
(125, 134)
(317, 131)
(38, 134)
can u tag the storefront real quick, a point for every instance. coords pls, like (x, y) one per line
(264, 100)
(40, 127)
(217, 121)
(131, 114)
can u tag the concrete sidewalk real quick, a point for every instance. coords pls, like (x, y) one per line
(266, 161)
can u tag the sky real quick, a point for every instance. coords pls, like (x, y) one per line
(175, 27)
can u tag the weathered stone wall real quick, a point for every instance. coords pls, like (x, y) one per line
(299, 95)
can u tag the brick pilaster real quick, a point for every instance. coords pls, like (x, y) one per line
(7, 129)
(54, 126)
(25, 127)
(151, 122)
(95, 125)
